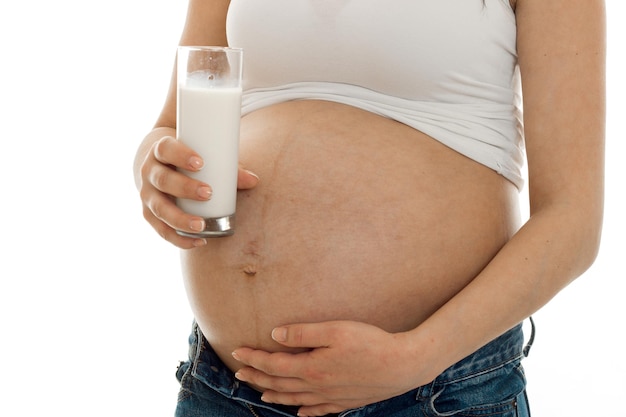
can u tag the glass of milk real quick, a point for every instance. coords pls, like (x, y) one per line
(208, 115)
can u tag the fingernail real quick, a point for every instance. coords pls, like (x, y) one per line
(197, 225)
(195, 162)
(204, 192)
(279, 334)
(253, 174)
(235, 355)
(199, 242)
(239, 376)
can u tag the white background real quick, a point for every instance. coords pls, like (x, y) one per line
(93, 316)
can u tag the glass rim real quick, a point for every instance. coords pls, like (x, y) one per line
(210, 48)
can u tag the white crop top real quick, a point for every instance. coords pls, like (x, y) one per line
(445, 67)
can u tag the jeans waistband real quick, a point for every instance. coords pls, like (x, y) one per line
(504, 349)
(208, 368)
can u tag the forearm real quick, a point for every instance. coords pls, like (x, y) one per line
(553, 248)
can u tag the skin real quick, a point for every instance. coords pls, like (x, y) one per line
(327, 366)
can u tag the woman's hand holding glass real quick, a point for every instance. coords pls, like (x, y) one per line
(161, 183)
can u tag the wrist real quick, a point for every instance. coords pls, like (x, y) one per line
(423, 355)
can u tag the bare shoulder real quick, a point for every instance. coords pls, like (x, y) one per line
(560, 24)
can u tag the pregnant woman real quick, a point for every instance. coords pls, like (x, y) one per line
(380, 265)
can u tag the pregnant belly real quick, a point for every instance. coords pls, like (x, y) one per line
(356, 217)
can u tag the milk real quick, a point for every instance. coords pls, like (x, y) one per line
(208, 122)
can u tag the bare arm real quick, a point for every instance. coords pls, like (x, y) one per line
(160, 153)
(561, 46)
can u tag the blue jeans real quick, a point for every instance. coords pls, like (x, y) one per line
(489, 382)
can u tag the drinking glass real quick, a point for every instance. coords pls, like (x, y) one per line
(208, 115)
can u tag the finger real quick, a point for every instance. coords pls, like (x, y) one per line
(273, 385)
(169, 234)
(287, 398)
(307, 335)
(170, 151)
(320, 410)
(169, 181)
(166, 217)
(278, 364)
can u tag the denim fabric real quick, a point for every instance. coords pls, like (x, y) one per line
(489, 382)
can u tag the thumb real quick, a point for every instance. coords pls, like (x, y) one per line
(246, 179)
(309, 335)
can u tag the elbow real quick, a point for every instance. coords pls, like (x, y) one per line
(592, 249)
(575, 233)
(589, 243)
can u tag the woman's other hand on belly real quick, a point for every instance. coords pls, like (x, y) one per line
(348, 365)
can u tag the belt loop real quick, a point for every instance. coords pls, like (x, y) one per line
(532, 337)
(425, 391)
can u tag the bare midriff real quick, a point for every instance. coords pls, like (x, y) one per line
(356, 217)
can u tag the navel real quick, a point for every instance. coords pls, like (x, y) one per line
(250, 270)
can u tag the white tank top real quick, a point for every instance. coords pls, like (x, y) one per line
(445, 67)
